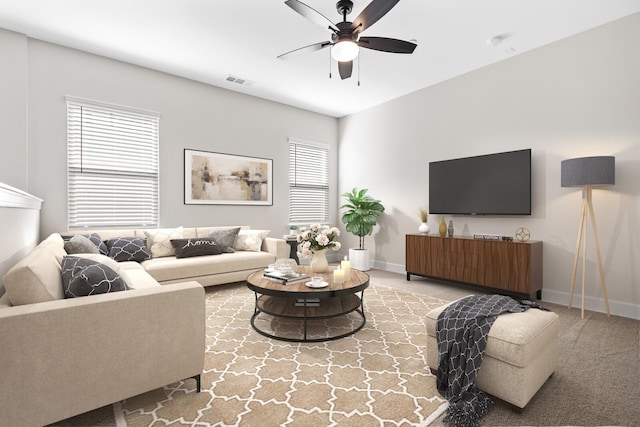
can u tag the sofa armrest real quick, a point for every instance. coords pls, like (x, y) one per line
(66, 357)
(278, 247)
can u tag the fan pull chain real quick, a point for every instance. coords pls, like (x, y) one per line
(359, 70)
(329, 63)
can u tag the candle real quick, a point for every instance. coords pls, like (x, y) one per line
(338, 276)
(346, 267)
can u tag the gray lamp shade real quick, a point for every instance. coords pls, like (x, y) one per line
(588, 171)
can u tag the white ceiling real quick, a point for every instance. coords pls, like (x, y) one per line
(207, 40)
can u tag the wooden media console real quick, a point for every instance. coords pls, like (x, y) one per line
(509, 266)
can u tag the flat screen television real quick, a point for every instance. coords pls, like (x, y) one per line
(492, 184)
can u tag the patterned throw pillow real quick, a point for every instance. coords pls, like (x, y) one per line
(225, 238)
(82, 277)
(97, 240)
(159, 241)
(80, 245)
(195, 247)
(250, 240)
(128, 249)
(94, 238)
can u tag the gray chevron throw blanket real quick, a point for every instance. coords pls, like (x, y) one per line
(461, 333)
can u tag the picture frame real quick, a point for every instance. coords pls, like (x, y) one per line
(212, 178)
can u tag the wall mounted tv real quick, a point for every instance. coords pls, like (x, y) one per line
(493, 184)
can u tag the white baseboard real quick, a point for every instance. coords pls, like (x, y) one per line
(616, 308)
(387, 266)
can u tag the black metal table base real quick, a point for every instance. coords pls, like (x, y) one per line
(306, 317)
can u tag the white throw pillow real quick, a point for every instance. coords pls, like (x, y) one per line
(159, 241)
(250, 240)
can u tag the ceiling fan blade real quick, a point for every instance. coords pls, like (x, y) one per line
(345, 69)
(385, 44)
(311, 14)
(311, 48)
(372, 13)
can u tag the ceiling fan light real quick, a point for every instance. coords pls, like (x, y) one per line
(345, 51)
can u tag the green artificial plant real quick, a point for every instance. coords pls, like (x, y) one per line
(361, 213)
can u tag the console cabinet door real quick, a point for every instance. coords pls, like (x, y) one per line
(511, 266)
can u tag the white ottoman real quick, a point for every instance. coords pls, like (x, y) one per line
(521, 354)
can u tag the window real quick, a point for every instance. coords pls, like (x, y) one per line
(112, 166)
(308, 182)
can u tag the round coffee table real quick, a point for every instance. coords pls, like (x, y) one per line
(299, 303)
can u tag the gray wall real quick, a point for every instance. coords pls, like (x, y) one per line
(13, 109)
(577, 97)
(193, 115)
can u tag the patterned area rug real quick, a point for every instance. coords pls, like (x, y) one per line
(377, 376)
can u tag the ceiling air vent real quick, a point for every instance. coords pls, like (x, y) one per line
(238, 80)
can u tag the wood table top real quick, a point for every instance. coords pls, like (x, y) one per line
(358, 281)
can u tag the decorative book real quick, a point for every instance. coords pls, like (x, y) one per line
(286, 278)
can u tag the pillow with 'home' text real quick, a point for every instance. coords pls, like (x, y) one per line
(186, 248)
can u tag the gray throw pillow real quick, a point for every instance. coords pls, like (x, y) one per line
(80, 245)
(82, 277)
(128, 249)
(225, 238)
(94, 238)
(195, 247)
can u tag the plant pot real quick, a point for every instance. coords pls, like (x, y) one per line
(360, 259)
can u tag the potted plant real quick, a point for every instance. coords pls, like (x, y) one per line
(360, 216)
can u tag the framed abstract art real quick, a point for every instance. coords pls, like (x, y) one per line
(226, 179)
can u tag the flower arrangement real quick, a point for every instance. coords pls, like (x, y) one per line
(317, 237)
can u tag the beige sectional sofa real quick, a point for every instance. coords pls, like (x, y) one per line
(63, 357)
(207, 270)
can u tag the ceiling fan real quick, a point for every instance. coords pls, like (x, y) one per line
(345, 36)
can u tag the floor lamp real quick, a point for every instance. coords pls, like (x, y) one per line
(588, 172)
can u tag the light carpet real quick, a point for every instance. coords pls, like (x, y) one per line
(378, 376)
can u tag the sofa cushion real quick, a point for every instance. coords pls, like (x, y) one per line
(79, 244)
(36, 277)
(5, 301)
(171, 268)
(159, 241)
(128, 249)
(225, 238)
(138, 278)
(185, 248)
(250, 240)
(83, 277)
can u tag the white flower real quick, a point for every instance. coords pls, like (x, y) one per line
(322, 239)
(317, 237)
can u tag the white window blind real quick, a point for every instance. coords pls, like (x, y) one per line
(112, 166)
(308, 182)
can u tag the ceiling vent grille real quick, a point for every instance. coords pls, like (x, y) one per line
(238, 80)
